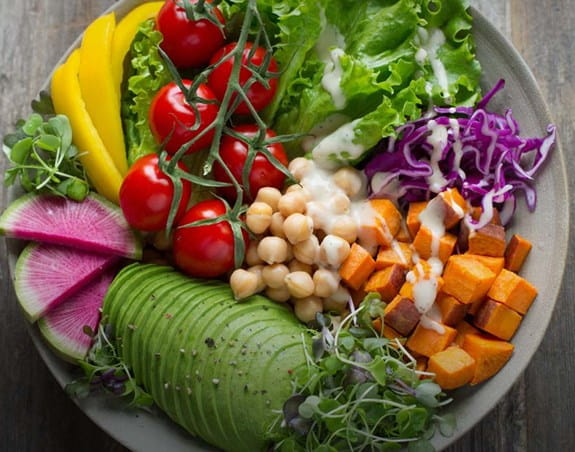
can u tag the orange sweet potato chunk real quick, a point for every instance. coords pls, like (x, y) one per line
(358, 266)
(453, 367)
(386, 282)
(477, 211)
(497, 319)
(495, 264)
(464, 328)
(406, 290)
(454, 207)
(387, 332)
(513, 291)
(487, 241)
(452, 310)
(466, 279)
(490, 355)
(413, 223)
(428, 342)
(386, 226)
(402, 315)
(423, 244)
(475, 306)
(403, 234)
(400, 255)
(516, 252)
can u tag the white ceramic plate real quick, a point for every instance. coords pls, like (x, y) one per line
(548, 229)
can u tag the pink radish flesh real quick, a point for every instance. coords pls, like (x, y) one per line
(46, 275)
(64, 327)
(92, 225)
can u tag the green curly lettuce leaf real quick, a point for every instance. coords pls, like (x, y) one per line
(147, 74)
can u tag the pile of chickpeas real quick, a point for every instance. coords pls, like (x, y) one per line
(296, 256)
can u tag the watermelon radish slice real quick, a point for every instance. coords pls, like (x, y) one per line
(46, 275)
(94, 225)
(64, 326)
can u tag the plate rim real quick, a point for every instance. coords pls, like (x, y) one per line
(529, 84)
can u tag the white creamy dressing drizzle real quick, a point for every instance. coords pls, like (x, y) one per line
(387, 184)
(329, 49)
(342, 140)
(425, 283)
(457, 144)
(430, 42)
(438, 141)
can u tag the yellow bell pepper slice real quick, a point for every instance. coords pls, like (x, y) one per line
(124, 35)
(99, 89)
(67, 98)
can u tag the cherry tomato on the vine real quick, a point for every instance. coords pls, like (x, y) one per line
(188, 43)
(234, 152)
(172, 117)
(146, 195)
(258, 95)
(205, 251)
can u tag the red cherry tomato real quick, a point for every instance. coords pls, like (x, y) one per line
(259, 96)
(171, 116)
(205, 251)
(188, 43)
(263, 174)
(146, 195)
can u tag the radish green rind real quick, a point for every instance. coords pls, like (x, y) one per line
(218, 368)
(94, 225)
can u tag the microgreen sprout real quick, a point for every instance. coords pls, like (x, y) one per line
(361, 391)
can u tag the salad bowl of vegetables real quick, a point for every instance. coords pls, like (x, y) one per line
(380, 109)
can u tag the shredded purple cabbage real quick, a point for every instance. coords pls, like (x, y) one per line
(475, 150)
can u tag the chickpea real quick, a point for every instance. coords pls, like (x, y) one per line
(280, 295)
(300, 188)
(307, 251)
(243, 283)
(274, 275)
(326, 283)
(293, 202)
(351, 181)
(306, 308)
(300, 166)
(277, 225)
(340, 297)
(270, 196)
(273, 250)
(297, 266)
(258, 271)
(252, 257)
(316, 211)
(298, 228)
(259, 217)
(340, 203)
(333, 251)
(289, 256)
(345, 227)
(299, 284)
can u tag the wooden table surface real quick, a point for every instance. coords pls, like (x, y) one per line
(36, 415)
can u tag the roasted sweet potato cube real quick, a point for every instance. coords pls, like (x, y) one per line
(424, 244)
(516, 252)
(495, 264)
(427, 342)
(453, 367)
(403, 234)
(490, 355)
(402, 315)
(358, 295)
(477, 211)
(385, 225)
(387, 332)
(399, 254)
(452, 310)
(513, 291)
(406, 290)
(487, 241)
(475, 306)
(464, 328)
(386, 282)
(357, 267)
(413, 223)
(497, 319)
(454, 207)
(421, 364)
(466, 280)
